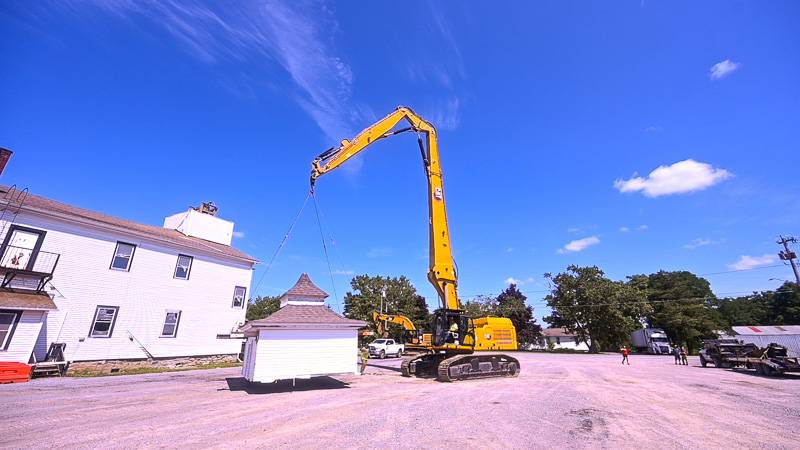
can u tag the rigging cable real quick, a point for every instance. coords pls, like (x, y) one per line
(283, 242)
(325, 248)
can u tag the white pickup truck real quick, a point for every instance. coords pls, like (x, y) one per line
(383, 347)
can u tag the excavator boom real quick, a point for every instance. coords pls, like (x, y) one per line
(441, 270)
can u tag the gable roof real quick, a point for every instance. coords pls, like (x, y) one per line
(52, 208)
(302, 316)
(305, 288)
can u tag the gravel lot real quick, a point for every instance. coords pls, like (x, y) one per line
(577, 401)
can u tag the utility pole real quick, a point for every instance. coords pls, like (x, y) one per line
(788, 255)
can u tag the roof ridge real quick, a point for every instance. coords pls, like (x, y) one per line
(47, 205)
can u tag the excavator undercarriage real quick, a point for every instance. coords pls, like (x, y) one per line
(460, 367)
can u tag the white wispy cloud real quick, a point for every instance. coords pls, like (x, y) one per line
(701, 242)
(518, 281)
(296, 36)
(509, 249)
(751, 262)
(579, 244)
(722, 69)
(444, 114)
(238, 234)
(654, 129)
(628, 229)
(343, 272)
(679, 178)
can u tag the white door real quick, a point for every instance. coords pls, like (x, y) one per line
(19, 250)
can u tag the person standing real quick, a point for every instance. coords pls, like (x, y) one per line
(684, 356)
(625, 353)
(364, 355)
(676, 352)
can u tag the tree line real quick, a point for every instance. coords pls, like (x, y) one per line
(604, 312)
(601, 312)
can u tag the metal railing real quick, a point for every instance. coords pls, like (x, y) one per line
(19, 258)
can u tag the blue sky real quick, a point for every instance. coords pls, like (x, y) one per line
(636, 136)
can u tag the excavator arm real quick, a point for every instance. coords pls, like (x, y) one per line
(404, 321)
(441, 270)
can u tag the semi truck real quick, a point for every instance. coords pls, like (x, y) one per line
(651, 340)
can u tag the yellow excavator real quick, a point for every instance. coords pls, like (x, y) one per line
(415, 339)
(453, 341)
(491, 333)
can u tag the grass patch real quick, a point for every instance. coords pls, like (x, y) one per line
(86, 373)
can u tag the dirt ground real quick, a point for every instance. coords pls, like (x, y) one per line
(572, 401)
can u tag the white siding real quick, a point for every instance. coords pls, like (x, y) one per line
(283, 354)
(248, 368)
(22, 342)
(83, 281)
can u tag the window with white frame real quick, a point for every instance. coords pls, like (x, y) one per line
(103, 323)
(8, 321)
(123, 255)
(183, 267)
(171, 321)
(239, 293)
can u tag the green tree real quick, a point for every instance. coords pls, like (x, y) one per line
(511, 304)
(682, 304)
(261, 307)
(750, 310)
(601, 312)
(401, 298)
(778, 307)
(480, 306)
(784, 305)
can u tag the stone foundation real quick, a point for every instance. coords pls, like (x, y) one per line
(123, 365)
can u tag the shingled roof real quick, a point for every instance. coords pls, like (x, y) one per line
(23, 300)
(305, 288)
(52, 208)
(302, 316)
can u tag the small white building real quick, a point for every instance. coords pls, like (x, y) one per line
(114, 289)
(560, 338)
(303, 339)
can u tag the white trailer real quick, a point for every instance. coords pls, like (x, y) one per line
(651, 340)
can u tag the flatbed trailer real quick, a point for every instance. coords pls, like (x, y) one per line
(772, 360)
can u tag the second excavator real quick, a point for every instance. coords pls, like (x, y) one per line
(453, 341)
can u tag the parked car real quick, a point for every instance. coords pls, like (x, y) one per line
(383, 347)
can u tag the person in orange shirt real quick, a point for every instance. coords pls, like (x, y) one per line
(625, 353)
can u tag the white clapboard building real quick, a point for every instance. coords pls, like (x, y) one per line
(113, 289)
(303, 339)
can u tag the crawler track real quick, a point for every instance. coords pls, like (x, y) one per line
(460, 367)
(467, 367)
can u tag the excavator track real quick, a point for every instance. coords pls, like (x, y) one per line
(470, 366)
(422, 366)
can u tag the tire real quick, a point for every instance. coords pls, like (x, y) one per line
(760, 369)
(400, 353)
(382, 354)
(703, 361)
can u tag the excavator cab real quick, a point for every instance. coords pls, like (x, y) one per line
(451, 327)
